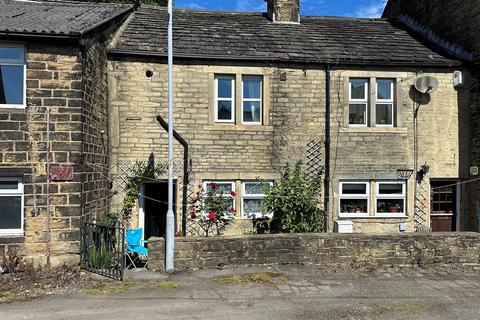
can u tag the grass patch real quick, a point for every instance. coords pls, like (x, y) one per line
(257, 277)
(116, 287)
(163, 285)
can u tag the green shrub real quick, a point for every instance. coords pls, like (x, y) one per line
(101, 258)
(295, 202)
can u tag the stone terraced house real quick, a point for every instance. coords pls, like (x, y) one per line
(53, 72)
(252, 91)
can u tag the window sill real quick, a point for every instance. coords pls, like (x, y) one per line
(11, 237)
(12, 109)
(373, 130)
(383, 216)
(239, 127)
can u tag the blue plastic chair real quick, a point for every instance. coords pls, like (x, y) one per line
(135, 246)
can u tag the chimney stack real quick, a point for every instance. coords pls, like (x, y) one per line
(283, 11)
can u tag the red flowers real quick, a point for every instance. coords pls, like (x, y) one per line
(213, 184)
(233, 194)
(231, 210)
(177, 234)
(212, 215)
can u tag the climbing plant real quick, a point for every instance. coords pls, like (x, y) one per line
(141, 171)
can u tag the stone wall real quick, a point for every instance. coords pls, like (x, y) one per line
(54, 79)
(334, 250)
(455, 26)
(294, 114)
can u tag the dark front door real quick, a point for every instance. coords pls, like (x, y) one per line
(156, 206)
(443, 215)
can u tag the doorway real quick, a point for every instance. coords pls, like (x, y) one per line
(443, 203)
(154, 207)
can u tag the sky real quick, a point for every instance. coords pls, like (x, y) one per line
(349, 8)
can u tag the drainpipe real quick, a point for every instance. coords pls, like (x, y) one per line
(184, 143)
(326, 180)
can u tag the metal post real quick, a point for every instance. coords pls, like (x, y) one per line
(169, 238)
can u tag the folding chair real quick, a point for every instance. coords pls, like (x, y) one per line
(135, 249)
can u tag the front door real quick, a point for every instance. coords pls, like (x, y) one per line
(155, 208)
(443, 215)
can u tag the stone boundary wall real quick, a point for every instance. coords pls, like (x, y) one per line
(339, 250)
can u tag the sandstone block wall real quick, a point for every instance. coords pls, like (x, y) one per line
(334, 250)
(295, 114)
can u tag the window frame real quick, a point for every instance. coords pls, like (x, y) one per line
(385, 101)
(14, 192)
(232, 183)
(243, 99)
(342, 196)
(402, 196)
(17, 63)
(232, 99)
(364, 101)
(251, 196)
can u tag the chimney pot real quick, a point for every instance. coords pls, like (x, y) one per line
(283, 11)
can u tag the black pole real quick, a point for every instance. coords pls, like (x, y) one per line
(326, 181)
(184, 143)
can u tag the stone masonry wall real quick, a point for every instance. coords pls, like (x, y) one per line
(53, 80)
(295, 108)
(334, 250)
(457, 24)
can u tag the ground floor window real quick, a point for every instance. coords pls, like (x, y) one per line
(223, 188)
(354, 198)
(372, 198)
(11, 206)
(253, 194)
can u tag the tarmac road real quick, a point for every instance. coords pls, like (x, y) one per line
(295, 292)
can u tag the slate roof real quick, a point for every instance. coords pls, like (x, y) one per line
(55, 18)
(253, 36)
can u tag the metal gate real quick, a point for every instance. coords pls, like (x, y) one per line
(103, 249)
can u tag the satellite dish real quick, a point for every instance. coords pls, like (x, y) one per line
(426, 84)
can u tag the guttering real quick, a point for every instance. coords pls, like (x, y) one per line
(327, 180)
(44, 35)
(344, 63)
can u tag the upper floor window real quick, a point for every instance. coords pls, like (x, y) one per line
(358, 102)
(371, 109)
(11, 204)
(252, 100)
(225, 98)
(12, 75)
(249, 97)
(384, 103)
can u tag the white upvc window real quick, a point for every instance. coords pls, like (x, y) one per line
(225, 98)
(354, 199)
(11, 206)
(390, 199)
(223, 188)
(12, 76)
(252, 103)
(358, 103)
(253, 194)
(384, 107)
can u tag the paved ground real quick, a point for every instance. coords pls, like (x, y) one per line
(294, 292)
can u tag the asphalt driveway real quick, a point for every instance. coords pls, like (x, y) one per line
(286, 292)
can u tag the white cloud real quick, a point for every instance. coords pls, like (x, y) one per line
(373, 10)
(194, 5)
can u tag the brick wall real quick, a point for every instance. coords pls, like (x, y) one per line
(296, 114)
(454, 24)
(333, 250)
